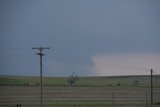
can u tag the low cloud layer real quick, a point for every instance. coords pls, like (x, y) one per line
(125, 64)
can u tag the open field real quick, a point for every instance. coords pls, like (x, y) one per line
(86, 92)
(125, 81)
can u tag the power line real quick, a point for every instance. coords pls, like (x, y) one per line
(84, 62)
(14, 48)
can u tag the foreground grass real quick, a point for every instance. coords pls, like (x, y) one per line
(71, 96)
(86, 92)
(83, 103)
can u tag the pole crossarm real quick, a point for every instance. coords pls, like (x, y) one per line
(41, 48)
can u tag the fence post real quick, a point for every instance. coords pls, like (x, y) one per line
(18, 105)
(146, 99)
(112, 99)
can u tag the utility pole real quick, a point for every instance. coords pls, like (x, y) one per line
(151, 87)
(40, 53)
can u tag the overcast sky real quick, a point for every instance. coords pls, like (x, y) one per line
(88, 37)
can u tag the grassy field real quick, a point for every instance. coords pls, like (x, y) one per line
(125, 81)
(86, 92)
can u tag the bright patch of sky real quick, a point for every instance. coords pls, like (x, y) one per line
(122, 64)
(86, 31)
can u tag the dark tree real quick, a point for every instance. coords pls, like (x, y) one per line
(118, 84)
(72, 79)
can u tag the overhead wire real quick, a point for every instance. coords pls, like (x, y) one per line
(84, 62)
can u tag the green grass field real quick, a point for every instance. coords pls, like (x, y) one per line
(125, 81)
(86, 92)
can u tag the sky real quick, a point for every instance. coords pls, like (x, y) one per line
(87, 37)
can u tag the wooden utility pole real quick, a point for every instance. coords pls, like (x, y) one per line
(40, 53)
(151, 87)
